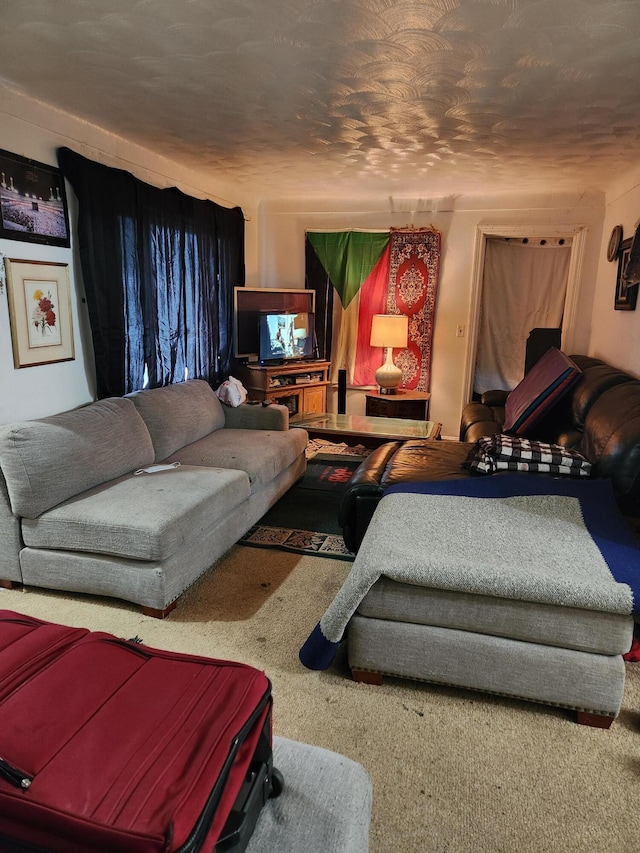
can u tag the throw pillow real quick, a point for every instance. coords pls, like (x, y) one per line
(510, 453)
(542, 387)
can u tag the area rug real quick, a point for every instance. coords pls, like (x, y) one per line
(321, 445)
(305, 519)
(298, 541)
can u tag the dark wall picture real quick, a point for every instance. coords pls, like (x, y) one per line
(33, 204)
(626, 295)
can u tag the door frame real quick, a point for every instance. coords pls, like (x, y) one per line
(578, 235)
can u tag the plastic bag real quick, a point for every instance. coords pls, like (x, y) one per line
(232, 392)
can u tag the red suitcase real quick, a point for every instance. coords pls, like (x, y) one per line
(108, 745)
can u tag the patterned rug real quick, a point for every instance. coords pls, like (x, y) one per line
(299, 541)
(291, 525)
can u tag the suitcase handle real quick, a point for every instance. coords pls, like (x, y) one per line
(14, 776)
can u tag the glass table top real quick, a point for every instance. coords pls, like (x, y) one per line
(366, 425)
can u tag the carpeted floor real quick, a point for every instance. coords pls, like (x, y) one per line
(453, 771)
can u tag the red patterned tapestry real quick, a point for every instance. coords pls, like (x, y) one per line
(413, 283)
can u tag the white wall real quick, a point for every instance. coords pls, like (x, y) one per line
(275, 257)
(616, 334)
(282, 228)
(34, 130)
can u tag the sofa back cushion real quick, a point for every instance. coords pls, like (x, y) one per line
(49, 460)
(179, 414)
(611, 440)
(541, 389)
(596, 380)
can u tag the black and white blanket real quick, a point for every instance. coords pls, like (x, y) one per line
(539, 539)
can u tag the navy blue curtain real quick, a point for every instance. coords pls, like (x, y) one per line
(317, 278)
(159, 268)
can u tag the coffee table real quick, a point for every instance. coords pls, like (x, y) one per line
(367, 430)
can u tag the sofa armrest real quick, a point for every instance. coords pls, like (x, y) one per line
(479, 419)
(494, 398)
(247, 416)
(366, 480)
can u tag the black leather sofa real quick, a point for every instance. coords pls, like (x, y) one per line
(600, 417)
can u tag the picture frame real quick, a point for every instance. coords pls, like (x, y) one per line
(33, 202)
(39, 312)
(626, 295)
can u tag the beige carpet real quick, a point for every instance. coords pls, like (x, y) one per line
(453, 771)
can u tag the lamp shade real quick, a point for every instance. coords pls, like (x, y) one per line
(389, 330)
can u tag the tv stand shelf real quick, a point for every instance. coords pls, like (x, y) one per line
(300, 386)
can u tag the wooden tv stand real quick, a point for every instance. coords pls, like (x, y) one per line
(301, 386)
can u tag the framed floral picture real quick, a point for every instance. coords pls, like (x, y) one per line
(40, 312)
(33, 203)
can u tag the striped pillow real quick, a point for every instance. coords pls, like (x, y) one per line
(543, 386)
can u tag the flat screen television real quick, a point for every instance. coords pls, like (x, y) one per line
(286, 336)
(250, 303)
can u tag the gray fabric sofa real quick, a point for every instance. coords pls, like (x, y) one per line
(80, 512)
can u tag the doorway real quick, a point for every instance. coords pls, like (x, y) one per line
(524, 286)
(567, 310)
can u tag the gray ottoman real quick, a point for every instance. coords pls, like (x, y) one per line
(506, 594)
(325, 806)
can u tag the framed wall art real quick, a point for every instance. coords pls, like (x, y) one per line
(33, 203)
(39, 312)
(626, 295)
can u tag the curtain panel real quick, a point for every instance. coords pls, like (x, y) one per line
(159, 269)
(523, 288)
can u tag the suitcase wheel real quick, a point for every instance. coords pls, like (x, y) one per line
(277, 783)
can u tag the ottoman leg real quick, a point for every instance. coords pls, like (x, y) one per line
(366, 677)
(599, 721)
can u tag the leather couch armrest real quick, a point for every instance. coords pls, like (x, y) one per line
(494, 398)
(366, 479)
(479, 419)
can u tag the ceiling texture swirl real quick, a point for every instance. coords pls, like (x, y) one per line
(355, 98)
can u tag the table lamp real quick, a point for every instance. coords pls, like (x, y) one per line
(389, 331)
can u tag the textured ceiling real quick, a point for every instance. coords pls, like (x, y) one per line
(355, 97)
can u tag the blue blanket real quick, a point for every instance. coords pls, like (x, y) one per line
(585, 553)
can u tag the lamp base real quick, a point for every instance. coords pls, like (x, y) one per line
(386, 391)
(388, 376)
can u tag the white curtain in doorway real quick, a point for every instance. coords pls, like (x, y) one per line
(524, 287)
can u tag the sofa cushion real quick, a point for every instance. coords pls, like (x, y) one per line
(585, 630)
(179, 414)
(512, 453)
(143, 517)
(542, 387)
(49, 460)
(262, 454)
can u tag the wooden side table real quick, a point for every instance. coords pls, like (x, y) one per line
(410, 405)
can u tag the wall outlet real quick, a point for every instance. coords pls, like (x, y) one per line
(460, 331)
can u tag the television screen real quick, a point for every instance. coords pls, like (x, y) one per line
(250, 303)
(285, 336)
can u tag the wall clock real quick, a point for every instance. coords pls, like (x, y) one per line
(614, 243)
